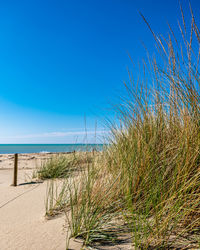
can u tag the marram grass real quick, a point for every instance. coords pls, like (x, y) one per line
(62, 165)
(148, 180)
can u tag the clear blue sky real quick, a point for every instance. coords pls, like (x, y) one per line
(61, 61)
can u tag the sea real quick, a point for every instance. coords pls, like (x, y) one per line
(47, 148)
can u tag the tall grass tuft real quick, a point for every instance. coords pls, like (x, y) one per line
(149, 177)
(156, 151)
(62, 166)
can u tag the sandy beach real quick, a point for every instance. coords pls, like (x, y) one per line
(22, 209)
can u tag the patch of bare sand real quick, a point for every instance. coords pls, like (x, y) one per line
(22, 210)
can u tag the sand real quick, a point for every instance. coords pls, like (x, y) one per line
(22, 209)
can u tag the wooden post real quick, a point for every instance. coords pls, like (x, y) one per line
(15, 170)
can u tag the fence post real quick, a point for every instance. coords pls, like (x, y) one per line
(15, 170)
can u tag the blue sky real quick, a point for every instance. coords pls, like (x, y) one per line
(62, 63)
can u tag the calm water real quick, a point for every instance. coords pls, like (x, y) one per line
(39, 148)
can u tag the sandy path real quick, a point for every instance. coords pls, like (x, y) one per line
(22, 221)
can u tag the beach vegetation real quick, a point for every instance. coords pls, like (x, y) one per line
(62, 165)
(58, 171)
(149, 177)
(146, 184)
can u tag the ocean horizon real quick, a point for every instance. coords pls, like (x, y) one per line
(47, 148)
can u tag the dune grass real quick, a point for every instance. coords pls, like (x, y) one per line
(62, 165)
(149, 177)
(147, 183)
(60, 170)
